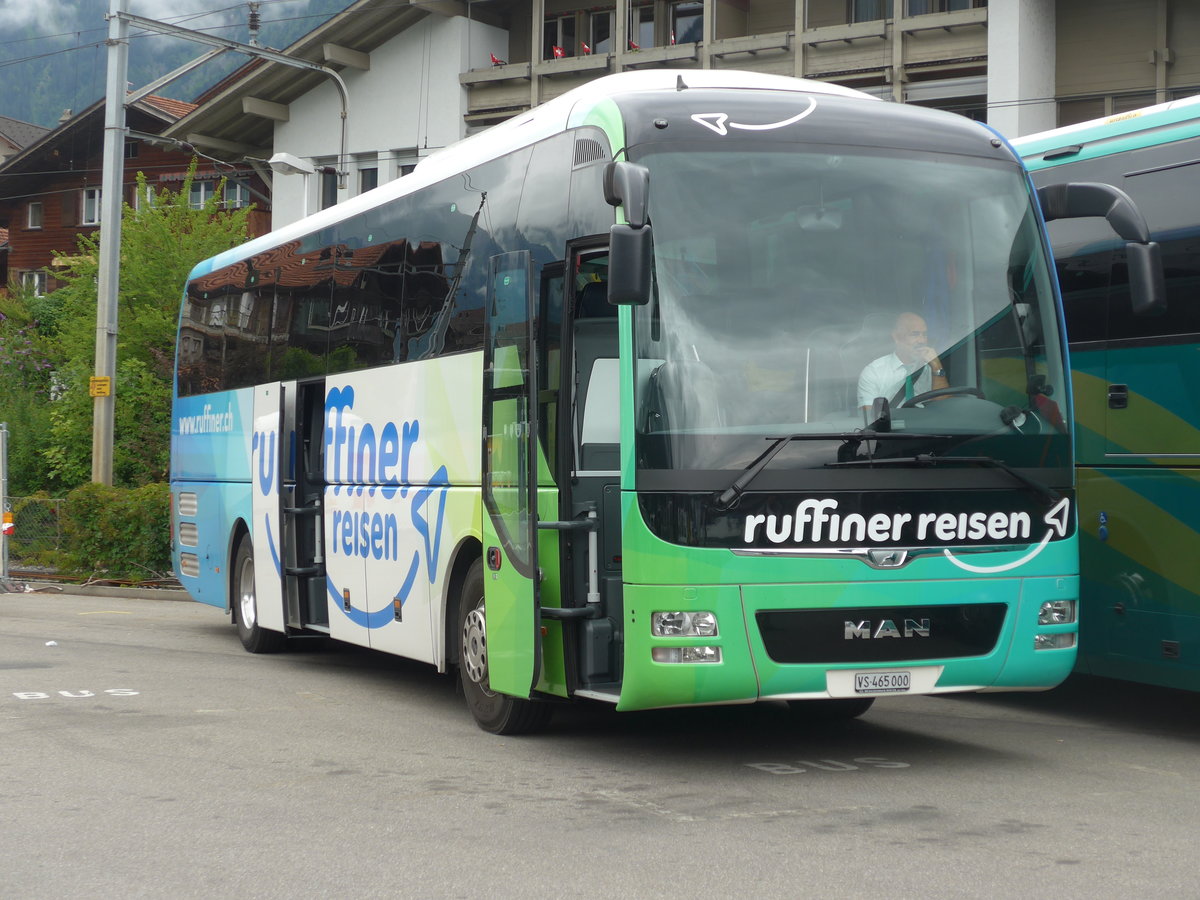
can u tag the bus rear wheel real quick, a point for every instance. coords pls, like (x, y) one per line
(254, 637)
(492, 711)
(831, 710)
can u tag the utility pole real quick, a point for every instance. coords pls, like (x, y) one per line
(108, 283)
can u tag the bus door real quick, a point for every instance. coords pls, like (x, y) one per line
(510, 456)
(286, 504)
(269, 460)
(595, 472)
(302, 512)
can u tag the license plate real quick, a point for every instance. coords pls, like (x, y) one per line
(882, 682)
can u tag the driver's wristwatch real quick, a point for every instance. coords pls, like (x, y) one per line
(939, 373)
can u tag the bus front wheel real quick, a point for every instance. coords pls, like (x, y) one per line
(493, 711)
(254, 637)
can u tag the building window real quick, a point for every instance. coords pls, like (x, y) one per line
(1123, 103)
(368, 179)
(925, 7)
(405, 160)
(137, 201)
(871, 10)
(558, 37)
(34, 282)
(201, 193)
(687, 22)
(236, 194)
(91, 207)
(329, 189)
(34, 218)
(641, 27)
(600, 30)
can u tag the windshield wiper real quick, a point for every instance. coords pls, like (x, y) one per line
(928, 459)
(728, 498)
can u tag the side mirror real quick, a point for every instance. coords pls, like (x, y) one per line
(1147, 289)
(630, 260)
(628, 184)
(1076, 200)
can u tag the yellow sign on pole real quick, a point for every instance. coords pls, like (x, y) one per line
(100, 386)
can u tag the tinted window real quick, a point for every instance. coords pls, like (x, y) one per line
(1164, 182)
(400, 282)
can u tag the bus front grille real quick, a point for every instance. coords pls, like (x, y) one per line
(881, 634)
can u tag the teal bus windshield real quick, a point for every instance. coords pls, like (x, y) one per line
(807, 245)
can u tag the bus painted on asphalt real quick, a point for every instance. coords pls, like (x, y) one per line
(1136, 375)
(573, 409)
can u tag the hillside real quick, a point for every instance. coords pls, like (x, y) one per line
(53, 58)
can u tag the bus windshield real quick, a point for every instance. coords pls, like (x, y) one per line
(846, 297)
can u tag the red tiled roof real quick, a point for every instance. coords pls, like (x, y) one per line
(176, 108)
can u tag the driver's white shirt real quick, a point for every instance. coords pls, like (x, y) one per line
(884, 377)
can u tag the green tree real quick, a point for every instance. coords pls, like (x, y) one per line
(161, 240)
(27, 325)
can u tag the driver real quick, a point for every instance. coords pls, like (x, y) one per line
(911, 369)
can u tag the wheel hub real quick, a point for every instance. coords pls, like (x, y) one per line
(474, 647)
(248, 607)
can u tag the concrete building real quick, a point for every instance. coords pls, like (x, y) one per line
(421, 76)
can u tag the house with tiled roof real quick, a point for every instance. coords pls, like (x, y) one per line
(16, 135)
(50, 189)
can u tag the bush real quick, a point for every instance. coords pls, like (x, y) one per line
(119, 532)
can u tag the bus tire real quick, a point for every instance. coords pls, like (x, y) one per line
(492, 711)
(831, 710)
(254, 638)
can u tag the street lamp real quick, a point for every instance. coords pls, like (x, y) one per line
(287, 164)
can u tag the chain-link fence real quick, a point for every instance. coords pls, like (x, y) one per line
(37, 532)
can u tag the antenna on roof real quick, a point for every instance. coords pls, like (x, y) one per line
(679, 85)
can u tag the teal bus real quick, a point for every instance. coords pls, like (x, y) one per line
(1136, 376)
(574, 409)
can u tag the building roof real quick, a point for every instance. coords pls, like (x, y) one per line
(220, 124)
(20, 134)
(176, 109)
(85, 130)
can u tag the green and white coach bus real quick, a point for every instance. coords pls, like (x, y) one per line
(1136, 375)
(577, 408)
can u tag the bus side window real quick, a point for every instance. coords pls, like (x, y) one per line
(597, 427)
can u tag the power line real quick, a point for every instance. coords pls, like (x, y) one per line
(176, 20)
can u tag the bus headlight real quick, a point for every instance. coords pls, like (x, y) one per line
(683, 624)
(686, 654)
(1054, 641)
(1057, 612)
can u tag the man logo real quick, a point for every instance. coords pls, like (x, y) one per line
(887, 559)
(886, 629)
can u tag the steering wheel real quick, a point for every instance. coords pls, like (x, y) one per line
(943, 392)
